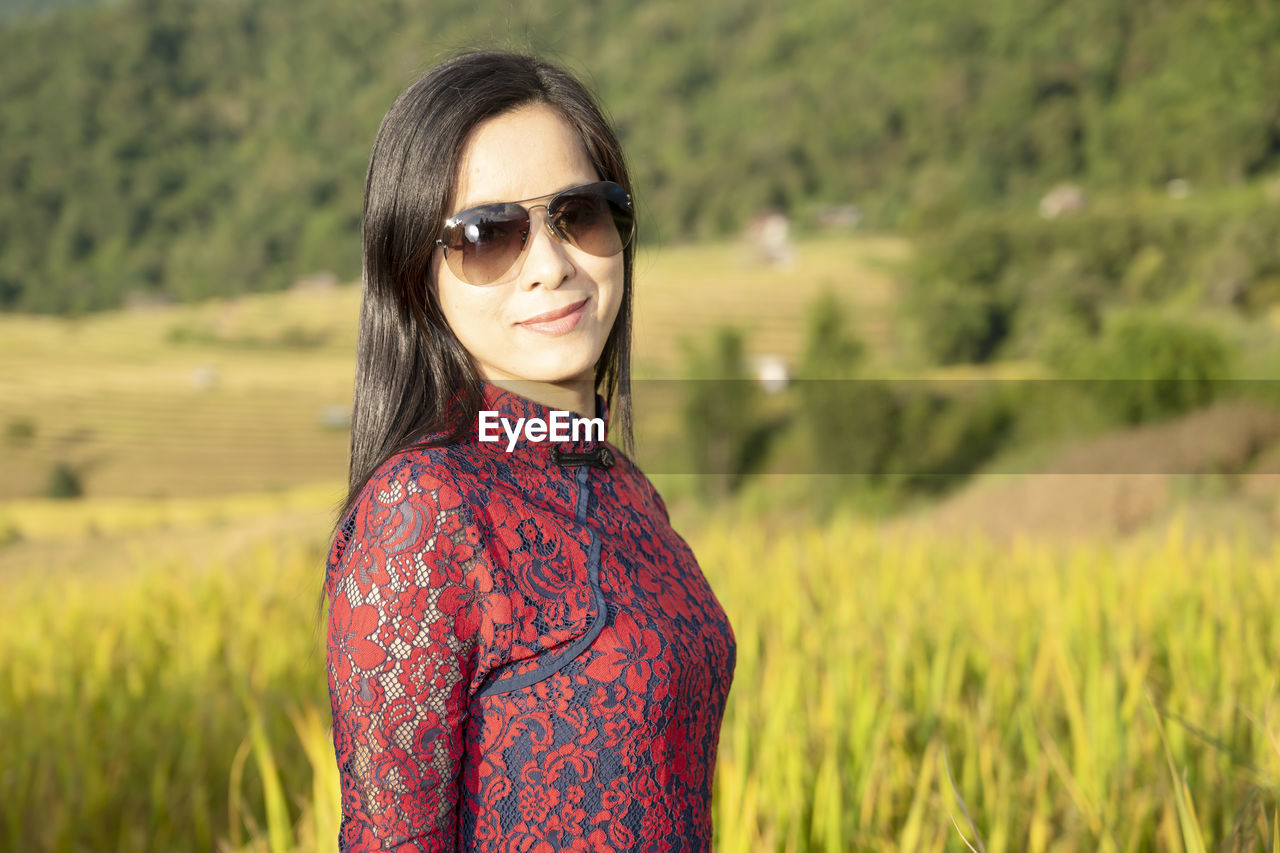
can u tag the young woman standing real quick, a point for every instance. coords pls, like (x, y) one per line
(523, 654)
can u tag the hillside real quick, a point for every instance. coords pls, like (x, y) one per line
(185, 149)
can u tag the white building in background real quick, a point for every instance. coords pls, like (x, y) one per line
(769, 233)
(1062, 200)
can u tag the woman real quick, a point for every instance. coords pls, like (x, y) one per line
(523, 655)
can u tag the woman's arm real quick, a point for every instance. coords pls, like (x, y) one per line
(401, 655)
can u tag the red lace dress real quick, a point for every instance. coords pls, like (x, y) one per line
(523, 655)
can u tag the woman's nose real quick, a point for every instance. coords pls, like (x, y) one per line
(547, 262)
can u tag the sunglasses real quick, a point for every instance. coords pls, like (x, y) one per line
(481, 244)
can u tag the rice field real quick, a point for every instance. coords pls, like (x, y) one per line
(892, 692)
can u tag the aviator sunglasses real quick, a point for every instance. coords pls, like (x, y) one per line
(481, 244)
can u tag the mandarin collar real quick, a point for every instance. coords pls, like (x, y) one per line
(513, 406)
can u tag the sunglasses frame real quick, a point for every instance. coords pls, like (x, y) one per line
(551, 199)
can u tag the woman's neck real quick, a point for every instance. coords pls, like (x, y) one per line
(574, 395)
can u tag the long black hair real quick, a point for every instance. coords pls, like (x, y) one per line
(413, 376)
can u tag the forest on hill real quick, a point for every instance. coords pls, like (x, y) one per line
(189, 148)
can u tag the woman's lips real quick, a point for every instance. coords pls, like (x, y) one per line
(556, 322)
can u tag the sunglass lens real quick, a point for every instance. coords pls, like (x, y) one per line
(486, 241)
(596, 218)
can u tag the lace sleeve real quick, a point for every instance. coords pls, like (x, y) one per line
(401, 654)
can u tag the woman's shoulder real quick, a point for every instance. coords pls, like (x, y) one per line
(433, 463)
(422, 485)
(415, 476)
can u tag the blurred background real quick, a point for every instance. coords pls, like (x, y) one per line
(956, 338)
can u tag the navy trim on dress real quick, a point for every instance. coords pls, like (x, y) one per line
(556, 660)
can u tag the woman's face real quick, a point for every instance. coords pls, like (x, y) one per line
(528, 153)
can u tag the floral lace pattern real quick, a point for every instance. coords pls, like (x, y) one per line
(522, 656)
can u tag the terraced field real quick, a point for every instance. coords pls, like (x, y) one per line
(239, 396)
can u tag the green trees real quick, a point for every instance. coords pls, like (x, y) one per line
(196, 148)
(1000, 283)
(1146, 368)
(724, 429)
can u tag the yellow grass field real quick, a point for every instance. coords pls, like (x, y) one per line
(1088, 697)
